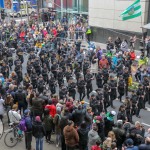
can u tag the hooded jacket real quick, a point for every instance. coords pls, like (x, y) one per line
(83, 136)
(71, 136)
(92, 136)
(38, 130)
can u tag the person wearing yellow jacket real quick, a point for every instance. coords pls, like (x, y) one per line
(38, 46)
(130, 80)
(88, 33)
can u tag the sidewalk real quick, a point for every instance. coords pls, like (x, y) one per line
(21, 145)
(103, 46)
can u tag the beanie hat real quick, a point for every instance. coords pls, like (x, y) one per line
(26, 112)
(38, 119)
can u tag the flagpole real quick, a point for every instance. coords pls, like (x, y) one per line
(141, 26)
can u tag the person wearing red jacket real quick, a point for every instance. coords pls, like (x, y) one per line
(103, 63)
(52, 112)
(52, 108)
(132, 55)
(22, 35)
(54, 31)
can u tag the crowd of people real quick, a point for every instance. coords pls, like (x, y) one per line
(50, 83)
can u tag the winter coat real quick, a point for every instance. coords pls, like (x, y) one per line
(20, 97)
(75, 116)
(83, 136)
(56, 121)
(38, 130)
(100, 131)
(48, 122)
(144, 147)
(133, 148)
(120, 135)
(114, 62)
(92, 138)
(71, 136)
(52, 110)
(103, 62)
(132, 55)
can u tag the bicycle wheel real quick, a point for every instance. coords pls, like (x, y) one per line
(1, 128)
(11, 138)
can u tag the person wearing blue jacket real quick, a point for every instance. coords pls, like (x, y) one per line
(28, 132)
(130, 145)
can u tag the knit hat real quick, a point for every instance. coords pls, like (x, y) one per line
(26, 112)
(99, 118)
(38, 119)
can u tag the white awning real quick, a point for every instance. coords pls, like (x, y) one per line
(147, 26)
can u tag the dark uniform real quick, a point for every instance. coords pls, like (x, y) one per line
(121, 88)
(72, 88)
(88, 79)
(113, 92)
(99, 78)
(140, 104)
(106, 90)
(81, 88)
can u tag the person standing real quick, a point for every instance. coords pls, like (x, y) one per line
(125, 77)
(140, 104)
(71, 136)
(20, 97)
(113, 92)
(83, 136)
(28, 132)
(38, 132)
(81, 88)
(48, 124)
(14, 115)
(88, 79)
(121, 88)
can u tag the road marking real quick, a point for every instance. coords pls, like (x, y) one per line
(145, 124)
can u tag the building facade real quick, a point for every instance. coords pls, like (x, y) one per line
(71, 6)
(104, 16)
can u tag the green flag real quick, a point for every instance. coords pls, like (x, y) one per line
(132, 11)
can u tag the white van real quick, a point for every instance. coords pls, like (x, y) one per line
(25, 7)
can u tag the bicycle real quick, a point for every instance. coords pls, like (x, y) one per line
(13, 136)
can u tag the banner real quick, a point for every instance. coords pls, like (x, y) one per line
(1, 3)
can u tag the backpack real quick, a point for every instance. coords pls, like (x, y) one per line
(22, 125)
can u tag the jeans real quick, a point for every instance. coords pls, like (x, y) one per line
(58, 139)
(39, 143)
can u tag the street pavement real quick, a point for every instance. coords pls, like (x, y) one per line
(21, 145)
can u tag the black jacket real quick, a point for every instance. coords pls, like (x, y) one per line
(83, 136)
(38, 130)
(20, 97)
